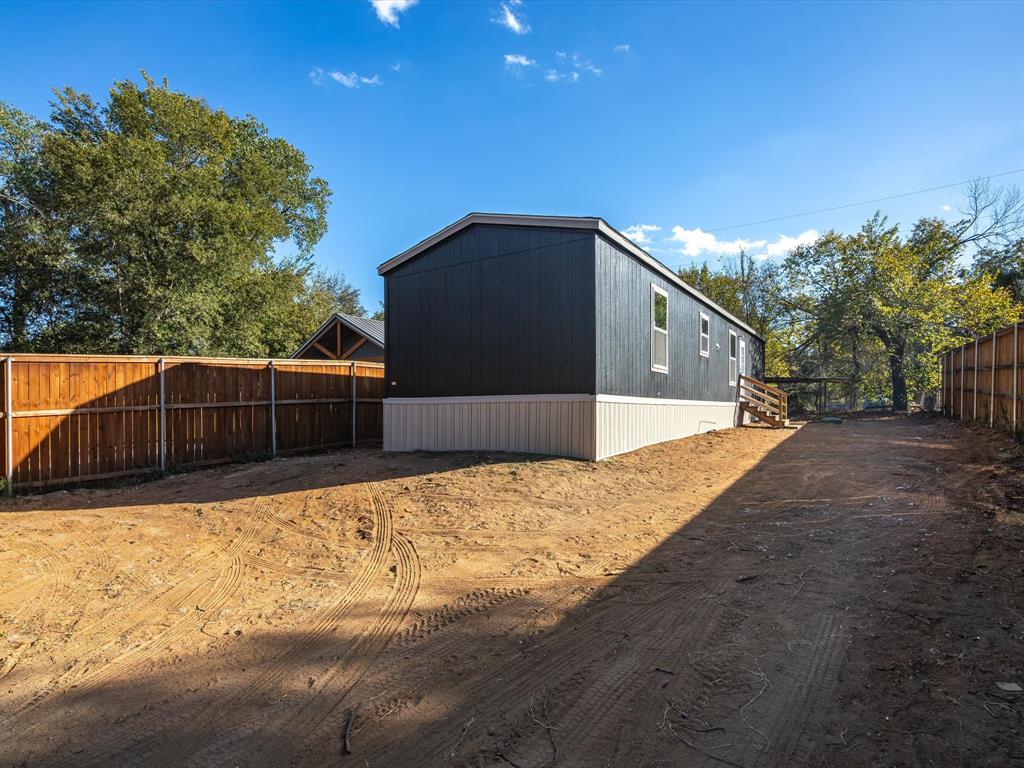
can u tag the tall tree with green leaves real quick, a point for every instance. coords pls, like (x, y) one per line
(154, 223)
(908, 296)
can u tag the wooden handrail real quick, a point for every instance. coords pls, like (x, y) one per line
(772, 399)
(762, 393)
(761, 385)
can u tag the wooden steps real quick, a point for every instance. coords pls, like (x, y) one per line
(763, 402)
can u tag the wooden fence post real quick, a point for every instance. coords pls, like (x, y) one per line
(974, 365)
(163, 416)
(8, 427)
(353, 368)
(946, 383)
(273, 409)
(992, 394)
(1016, 327)
(963, 375)
(947, 405)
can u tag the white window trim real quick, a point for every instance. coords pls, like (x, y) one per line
(701, 336)
(655, 290)
(741, 351)
(732, 358)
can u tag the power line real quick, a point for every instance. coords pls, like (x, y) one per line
(863, 202)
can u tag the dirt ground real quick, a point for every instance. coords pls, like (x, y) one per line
(840, 595)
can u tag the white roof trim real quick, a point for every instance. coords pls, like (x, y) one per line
(591, 223)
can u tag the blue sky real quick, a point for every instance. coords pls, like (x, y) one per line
(677, 116)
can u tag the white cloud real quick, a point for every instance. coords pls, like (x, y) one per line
(396, 66)
(319, 76)
(349, 81)
(640, 233)
(623, 48)
(553, 76)
(784, 243)
(947, 208)
(518, 60)
(576, 64)
(388, 10)
(697, 242)
(509, 20)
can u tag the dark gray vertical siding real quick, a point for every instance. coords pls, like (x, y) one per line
(623, 295)
(493, 310)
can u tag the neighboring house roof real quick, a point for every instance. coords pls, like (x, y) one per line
(373, 330)
(592, 223)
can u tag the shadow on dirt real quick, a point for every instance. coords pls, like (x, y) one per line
(808, 615)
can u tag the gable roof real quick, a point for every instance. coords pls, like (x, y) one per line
(373, 330)
(592, 223)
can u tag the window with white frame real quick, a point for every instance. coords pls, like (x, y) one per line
(732, 358)
(705, 335)
(743, 357)
(659, 330)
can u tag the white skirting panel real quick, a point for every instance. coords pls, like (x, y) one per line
(581, 426)
(557, 425)
(627, 423)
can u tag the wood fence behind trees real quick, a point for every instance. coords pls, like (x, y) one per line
(983, 380)
(72, 418)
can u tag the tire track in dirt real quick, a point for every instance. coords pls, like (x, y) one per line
(30, 596)
(822, 668)
(149, 736)
(476, 602)
(209, 595)
(300, 571)
(565, 653)
(317, 722)
(593, 714)
(780, 725)
(49, 565)
(198, 586)
(807, 692)
(241, 737)
(292, 527)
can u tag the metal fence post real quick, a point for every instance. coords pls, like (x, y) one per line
(273, 409)
(8, 427)
(353, 365)
(163, 416)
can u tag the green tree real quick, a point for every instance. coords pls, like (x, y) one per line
(157, 224)
(745, 287)
(907, 297)
(32, 255)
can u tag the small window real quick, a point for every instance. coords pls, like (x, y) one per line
(743, 357)
(705, 335)
(659, 330)
(732, 358)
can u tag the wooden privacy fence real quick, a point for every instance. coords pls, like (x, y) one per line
(70, 418)
(981, 380)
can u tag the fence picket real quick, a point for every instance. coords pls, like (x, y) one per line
(1003, 406)
(71, 418)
